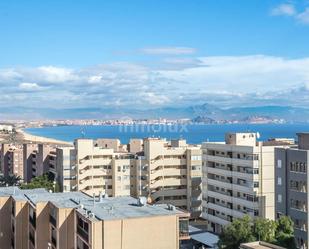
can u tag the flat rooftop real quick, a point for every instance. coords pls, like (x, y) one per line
(114, 208)
(20, 194)
(260, 245)
(110, 208)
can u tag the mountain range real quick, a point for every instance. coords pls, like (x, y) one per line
(204, 111)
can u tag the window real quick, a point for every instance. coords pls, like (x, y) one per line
(279, 198)
(279, 181)
(83, 229)
(196, 158)
(279, 164)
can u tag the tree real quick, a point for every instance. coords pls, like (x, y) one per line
(239, 231)
(265, 230)
(41, 182)
(285, 232)
(280, 232)
(10, 180)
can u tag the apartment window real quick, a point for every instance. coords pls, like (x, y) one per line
(279, 181)
(279, 198)
(81, 244)
(13, 208)
(53, 216)
(196, 158)
(279, 164)
(32, 217)
(83, 228)
(53, 236)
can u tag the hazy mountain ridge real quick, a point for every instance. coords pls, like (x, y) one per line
(206, 111)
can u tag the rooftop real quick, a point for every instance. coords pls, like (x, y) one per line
(93, 208)
(259, 245)
(114, 208)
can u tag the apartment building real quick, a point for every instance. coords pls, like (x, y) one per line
(170, 172)
(11, 158)
(291, 186)
(38, 159)
(39, 219)
(238, 179)
(163, 171)
(93, 169)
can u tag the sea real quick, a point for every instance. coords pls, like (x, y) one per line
(193, 133)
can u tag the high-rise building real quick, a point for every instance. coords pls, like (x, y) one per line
(163, 171)
(39, 219)
(93, 169)
(238, 179)
(291, 183)
(170, 172)
(11, 157)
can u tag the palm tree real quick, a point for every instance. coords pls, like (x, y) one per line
(10, 180)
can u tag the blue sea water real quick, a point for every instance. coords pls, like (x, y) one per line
(193, 133)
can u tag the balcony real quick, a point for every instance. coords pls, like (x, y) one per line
(83, 234)
(53, 221)
(32, 221)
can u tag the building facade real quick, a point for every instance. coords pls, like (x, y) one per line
(238, 179)
(163, 171)
(32, 219)
(170, 172)
(291, 186)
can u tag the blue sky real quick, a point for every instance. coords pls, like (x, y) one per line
(98, 50)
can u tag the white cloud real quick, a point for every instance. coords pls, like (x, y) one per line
(29, 86)
(168, 50)
(220, 80)
(284, 10)
(57, 74)
(289, 9)
(304, 16)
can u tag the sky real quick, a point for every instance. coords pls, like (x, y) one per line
(153, 53)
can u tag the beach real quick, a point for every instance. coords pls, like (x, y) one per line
(20, 136)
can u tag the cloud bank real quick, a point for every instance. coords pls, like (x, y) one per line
(222, 80)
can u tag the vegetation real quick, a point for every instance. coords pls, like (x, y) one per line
(10, 180)
(246, 230)
(43, 181)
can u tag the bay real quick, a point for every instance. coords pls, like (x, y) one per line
(193, 133)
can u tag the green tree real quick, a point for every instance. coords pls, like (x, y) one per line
(280, 232)
(10, 180)
(265, 230)
(285, 232)
(239, 231)
(41, 182)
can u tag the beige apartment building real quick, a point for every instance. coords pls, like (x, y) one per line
(93, 169)
(38, 159)
(11, 160)
(238, 179)
(163, 171)
(32, 219)
(27, 160)
(170, 172)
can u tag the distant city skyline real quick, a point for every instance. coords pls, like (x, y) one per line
(150, 54)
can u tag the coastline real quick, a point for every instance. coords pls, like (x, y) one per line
(39, 139)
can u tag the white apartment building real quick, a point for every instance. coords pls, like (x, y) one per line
(238, 179)
(93, 169)
(170, 172)
(166, 172)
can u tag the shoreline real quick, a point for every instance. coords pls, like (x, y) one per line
(39, 139)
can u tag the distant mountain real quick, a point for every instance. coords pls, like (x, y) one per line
(198, 113)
